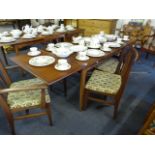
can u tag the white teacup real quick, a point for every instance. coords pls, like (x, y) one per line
(102, 33)
(125, 37)
(105, 46)
(119, 40)
(62, 62)
(33, 49)
(82, 55)
(82, 42)
(50, 45)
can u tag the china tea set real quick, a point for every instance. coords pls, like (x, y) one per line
(28, 32)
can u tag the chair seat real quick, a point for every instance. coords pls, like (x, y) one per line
(25, 99)
(8, 48)
(104, 82)
(109, 65)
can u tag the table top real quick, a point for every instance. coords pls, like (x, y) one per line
(49, 74)
(42, 37)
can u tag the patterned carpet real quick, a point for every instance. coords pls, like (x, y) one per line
(68, 120)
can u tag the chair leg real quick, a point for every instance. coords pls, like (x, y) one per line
(11, 124)
(147, 55)
(115, 111)
(85, 100)
(49, 113)
(27, 111)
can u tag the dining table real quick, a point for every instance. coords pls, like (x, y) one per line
(50, 75)
(24, 42)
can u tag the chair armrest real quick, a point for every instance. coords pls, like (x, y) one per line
(33, 87)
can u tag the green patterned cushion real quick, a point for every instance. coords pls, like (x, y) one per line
(24, 99)
(109, 65)
(104, 82)
(151, 128)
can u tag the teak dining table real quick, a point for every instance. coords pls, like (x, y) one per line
(50, 75)
(24, 42)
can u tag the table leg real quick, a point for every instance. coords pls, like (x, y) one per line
(49, 92)
(82, 88)
(4, 56)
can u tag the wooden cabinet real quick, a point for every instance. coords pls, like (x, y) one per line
(93, 26)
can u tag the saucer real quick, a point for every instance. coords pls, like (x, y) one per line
(34, 53)
(106, 49)
(94, 46)
(85, 58)
(62, 68)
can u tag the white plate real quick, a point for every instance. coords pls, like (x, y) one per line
(106, 50)
(62, 69)
(41, 61)
(114, 44)
(95, 53)
(7, 40)
(97, 46)
(34, 53)
(85, 59)
(78, 48)
(28, 36)
(63, 44)
(125, 39)
(59, 30)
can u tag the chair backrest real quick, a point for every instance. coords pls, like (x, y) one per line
(126, 60)
(4, 77)
(148, 41)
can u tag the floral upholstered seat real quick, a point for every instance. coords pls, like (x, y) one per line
(25, 99)
(151, 129)
(104, 82)
(109, 65)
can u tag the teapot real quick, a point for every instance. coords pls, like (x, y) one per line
(27, 29)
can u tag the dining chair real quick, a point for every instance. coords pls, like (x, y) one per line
(148, 45)
(148, 127)
(109, 65)
(23, 96)
(108, 84)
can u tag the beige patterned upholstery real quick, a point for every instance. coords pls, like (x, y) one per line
(24, 99)
(109, 65)
(104, 82)
(8, 48)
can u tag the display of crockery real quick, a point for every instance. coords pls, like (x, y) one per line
(7, 39)
(85, 58)
(95, 53)
(41, 61)
(78, 48)
(34, 53)
(63, 44)
(28, 36)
